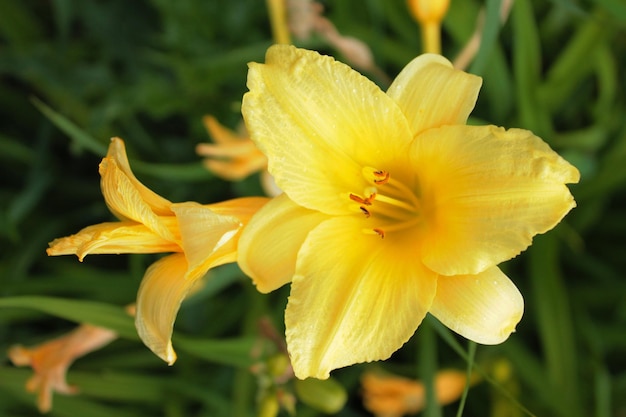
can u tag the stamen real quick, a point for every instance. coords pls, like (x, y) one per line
(395, 202)
(358, 199)
(404, 191)
(391, 203)
(367, 201)
(381, 177)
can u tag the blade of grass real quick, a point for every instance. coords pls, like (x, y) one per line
(447, 336)
(574, 61)
(12, 381)
(193, 171)
(98, 314)
(527, 69)
(80, 137)
(427, 368)
(555, 324)
(233, 352)
(471, 353)
(489, 38)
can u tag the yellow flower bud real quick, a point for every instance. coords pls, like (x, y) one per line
(428, 10)
(429, 14)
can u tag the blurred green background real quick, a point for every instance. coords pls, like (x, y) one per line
(75, 73)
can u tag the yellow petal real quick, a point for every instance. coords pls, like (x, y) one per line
(243, 208)
(485, 193)
(158, 204)
(208, 238)
(113, 238)
(161, 292)
(355, 297)
(431, 93)
(484, 307)
(126, 201)
(319, 123)
(269, 243)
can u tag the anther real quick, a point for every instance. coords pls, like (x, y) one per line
(367, 201)
(381, 177)
(365, 211)
(380, 232)
(356, 198)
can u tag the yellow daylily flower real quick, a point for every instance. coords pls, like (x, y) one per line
(201, 237)
(392, 206)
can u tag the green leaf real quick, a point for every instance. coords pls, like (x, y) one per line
(232, 352)
(471, 353)
(13, 381)
(428, 363)
(554, 320)
(80, 137)
(489, 37)
(94, 313)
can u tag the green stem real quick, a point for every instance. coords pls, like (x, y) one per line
(427, 363)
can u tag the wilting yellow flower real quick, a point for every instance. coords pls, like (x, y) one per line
(394, 396)
(51, 360)
(392, 206)
(201, 237)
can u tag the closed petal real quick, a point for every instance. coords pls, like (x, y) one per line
(270, 242)
(355, 297)
(126, 201)
(243, 208)
(319, 123)
(161, 292)
(208, 238)
(485, 193)
(158, 204)
(484, 307)
(112, 238)
(431, 93)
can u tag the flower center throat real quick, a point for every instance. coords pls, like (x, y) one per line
(388, 203)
